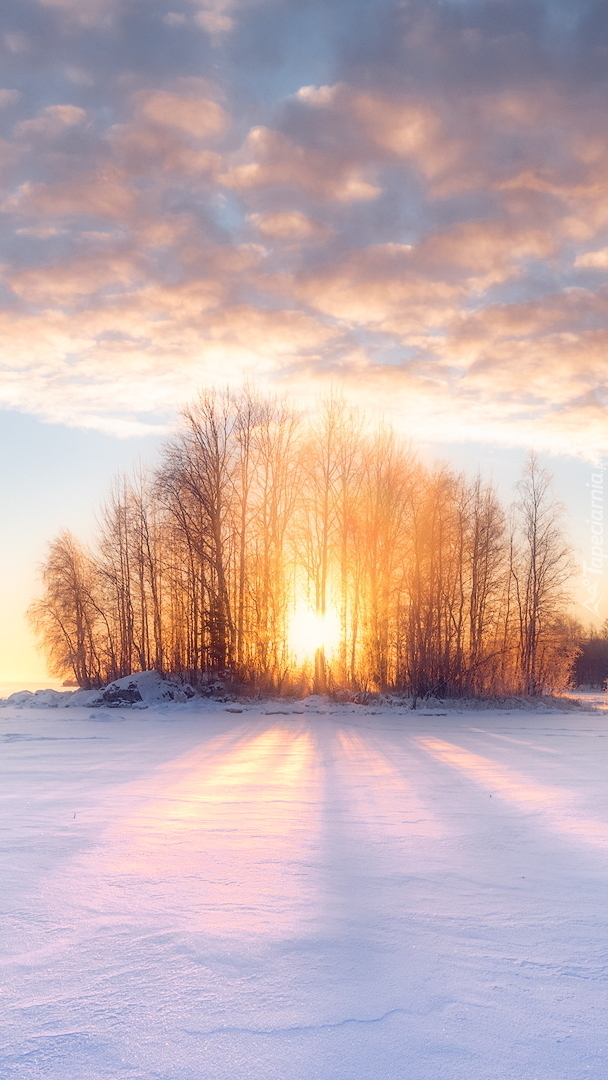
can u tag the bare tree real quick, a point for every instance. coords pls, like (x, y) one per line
(66, 615)
(541, 566)
(197, 478)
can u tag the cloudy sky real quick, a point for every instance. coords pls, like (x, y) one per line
(408, 199)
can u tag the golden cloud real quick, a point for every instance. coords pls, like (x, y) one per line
(291, 225)
(273, 159)
(198, 117)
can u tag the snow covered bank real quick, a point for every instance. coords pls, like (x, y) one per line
(194, 893)
(141, 690)
(147, 688)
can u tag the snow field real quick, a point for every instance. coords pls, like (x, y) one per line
(192, 893)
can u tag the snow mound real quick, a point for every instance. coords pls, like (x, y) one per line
(51, 699)
(147, 687)
(140, 690)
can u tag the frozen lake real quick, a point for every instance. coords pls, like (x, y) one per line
(196, 894)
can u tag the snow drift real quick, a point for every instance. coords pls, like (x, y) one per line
(140, 690)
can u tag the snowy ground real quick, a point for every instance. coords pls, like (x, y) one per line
(194, 893)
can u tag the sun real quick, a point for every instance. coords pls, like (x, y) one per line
(309, 631)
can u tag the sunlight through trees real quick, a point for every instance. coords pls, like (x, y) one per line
(292, 552)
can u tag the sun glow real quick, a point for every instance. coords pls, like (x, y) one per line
(309, 631)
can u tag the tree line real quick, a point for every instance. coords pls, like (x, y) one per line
(591, 664)
(261, 527)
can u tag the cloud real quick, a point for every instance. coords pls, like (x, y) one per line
(174, 18)
(272, 160)
(86, 13)
(594, 260)
(195, 116)
(8, 97)
(291, 225)
(17, 42)
(370, 287)
(214, 22)
(42, 232)
(144, 351)
(218, 17)
(66, 283)
(103, 194)
(409, 199)
(276, 334)
(165, 130)
(398, 286)
(142, 148)
(407, 128)
(53, 121)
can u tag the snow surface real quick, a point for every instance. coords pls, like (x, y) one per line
(303, 892)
